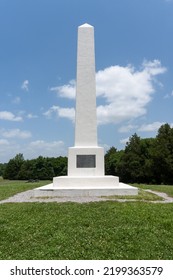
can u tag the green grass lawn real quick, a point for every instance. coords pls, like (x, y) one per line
(9, 187)
(102, 230)
(159, 188)
(142, 196)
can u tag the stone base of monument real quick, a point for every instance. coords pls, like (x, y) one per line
(70, 186)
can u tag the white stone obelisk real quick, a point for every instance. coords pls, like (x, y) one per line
(86, 120)
(86, 158)
(86, 175)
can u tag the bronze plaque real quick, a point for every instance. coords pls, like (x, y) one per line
(86, 161)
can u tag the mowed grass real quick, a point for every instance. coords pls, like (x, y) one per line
(142, 196)
(102, 230)
(159, 188)
(11, 187)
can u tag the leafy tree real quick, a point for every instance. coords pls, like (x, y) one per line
(112, 160)
(43, 169)
(130, 166)
(147, 167)
(2, 168)
(163, 155)
(59, 166)
(26, 170)
(13, 167)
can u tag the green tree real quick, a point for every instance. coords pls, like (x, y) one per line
(147, 163)
(112, 160)
(26, 170)
(2, 168)
(43, 169)
(13, 167)
(163, 155)
(59, 166)
(131, 161)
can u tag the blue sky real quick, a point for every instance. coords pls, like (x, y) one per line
(134, 71)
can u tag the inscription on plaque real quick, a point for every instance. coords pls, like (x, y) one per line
(86, 161)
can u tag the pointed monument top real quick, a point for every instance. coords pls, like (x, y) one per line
(85, 25)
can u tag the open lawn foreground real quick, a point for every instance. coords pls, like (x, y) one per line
(101, 230)
(97, 230)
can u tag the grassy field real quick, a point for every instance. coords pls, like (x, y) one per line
(159, 188)
(102, 230)
(9, 187)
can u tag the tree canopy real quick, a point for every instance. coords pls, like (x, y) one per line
(40, 168)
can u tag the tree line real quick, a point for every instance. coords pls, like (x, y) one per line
(148, 160)
(41, 168)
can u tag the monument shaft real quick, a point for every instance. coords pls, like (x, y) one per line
(86, 158)
(86, 120)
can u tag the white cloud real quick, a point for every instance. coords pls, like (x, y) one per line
(4, 142)
(9, 148)
(15, 133)
(154, 67)
(124, 141)
(68, 113)
(127, 128)
(168, 95)
(32, 116)
(43, 148)
(126, 92)
(150, 127)
(8, 116)
(6, 150)
(25, 85)
(67, 91)
(144, 127)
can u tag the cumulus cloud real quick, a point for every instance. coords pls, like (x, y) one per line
(9, 148)
(127, 128)
(68, 113)
(125, 91)
(143, 128)
(25, 85)
(67, 91)
(15, 133)
(150, 127)
(44, 148)
(8, 116)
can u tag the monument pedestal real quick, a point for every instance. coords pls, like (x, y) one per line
(86, 161)
(67, 186)
(85, 177)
